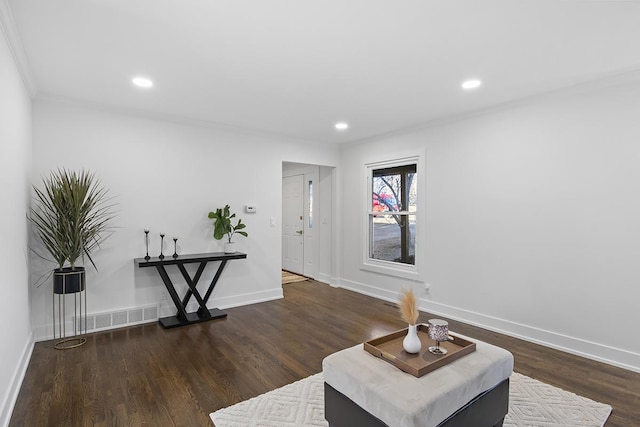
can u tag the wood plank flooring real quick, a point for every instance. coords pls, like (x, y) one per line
(149, 376)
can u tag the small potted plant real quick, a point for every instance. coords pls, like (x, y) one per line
(223, 226)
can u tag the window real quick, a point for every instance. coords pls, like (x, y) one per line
(310, 204)
(392, 217)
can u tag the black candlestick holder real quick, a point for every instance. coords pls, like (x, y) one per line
(175, 247)
(146, 242)
(161, 256)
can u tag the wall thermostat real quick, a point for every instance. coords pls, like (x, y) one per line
(250, 209)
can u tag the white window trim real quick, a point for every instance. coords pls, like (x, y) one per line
(390, 268)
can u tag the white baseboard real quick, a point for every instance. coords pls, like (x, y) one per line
(250, 298)
(602, 353)
(326, 278)
(16, 382)
(101, 321)
(131, 316)
(236, 300)
(371, 291)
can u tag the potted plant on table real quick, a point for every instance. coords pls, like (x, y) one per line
(223, 226)
(71, 217)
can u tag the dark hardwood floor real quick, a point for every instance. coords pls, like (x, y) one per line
(147, 375)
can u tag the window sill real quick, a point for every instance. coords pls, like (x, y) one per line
(404, 271)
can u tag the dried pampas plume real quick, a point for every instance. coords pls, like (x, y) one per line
(409, 307)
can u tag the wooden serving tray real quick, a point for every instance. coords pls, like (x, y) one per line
(389, 348)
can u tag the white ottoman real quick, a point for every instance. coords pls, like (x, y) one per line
(363, 390)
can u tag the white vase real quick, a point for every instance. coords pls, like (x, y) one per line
(229, 247)
(411, 342)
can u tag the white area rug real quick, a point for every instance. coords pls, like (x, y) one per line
(531, 404)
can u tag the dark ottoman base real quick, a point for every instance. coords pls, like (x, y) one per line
(488, 409)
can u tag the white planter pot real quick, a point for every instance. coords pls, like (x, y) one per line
(229, 247)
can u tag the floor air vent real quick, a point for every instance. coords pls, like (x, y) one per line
(150, 313)
(117, 319)
(102, 320)
(135, 315)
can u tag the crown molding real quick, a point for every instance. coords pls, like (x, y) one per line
(60, 100)
(8, 27)
(585, 85)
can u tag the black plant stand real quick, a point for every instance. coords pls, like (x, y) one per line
(203, 314)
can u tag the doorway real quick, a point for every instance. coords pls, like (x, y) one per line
(307, 212)
(292, 224)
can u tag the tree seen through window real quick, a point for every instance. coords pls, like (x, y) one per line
(392, 218)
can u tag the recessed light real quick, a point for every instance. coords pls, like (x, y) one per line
(471, 84)
(342, 126)
(142, 82)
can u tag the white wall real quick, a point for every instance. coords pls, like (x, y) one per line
(15, 158)
(167, 177)
(327, 271)
(532, 220)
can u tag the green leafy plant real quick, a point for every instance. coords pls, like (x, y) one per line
(71, 215)
(223, 224)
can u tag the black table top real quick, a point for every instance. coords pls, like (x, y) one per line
(188, 258)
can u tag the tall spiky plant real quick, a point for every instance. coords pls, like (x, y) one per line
(71, 215)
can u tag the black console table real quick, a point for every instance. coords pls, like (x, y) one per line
(203, 314)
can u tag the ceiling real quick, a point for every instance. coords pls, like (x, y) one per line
(295, 68)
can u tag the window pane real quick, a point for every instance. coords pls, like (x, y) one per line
(310, 204)
(389, 233)
(385, 198)
(394, 189)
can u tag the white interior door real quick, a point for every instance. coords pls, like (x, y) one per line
(292, 223)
